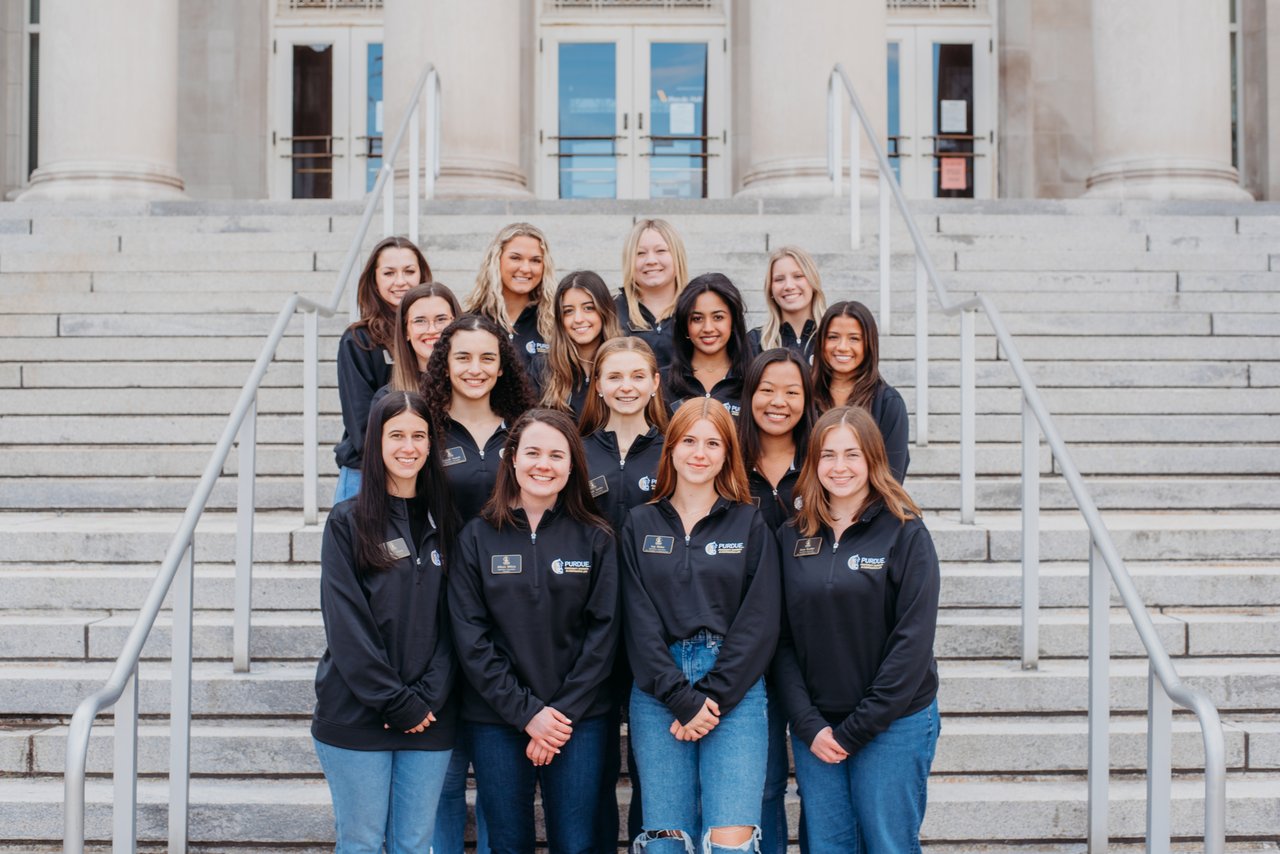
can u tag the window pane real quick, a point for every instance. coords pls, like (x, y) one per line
(678, 120)
(588, 121)
(373, 116)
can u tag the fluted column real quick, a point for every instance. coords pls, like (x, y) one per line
(790, 49)
(477, 48)
(108, 101)
(1162, 101)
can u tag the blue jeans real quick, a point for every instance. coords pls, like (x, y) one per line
(773, 812)
(874, 801)
(505, 780)
(348, 484)
(451, 817)
(695, 786)
(383, 796)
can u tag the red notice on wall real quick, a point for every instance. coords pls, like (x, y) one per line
(954, 175)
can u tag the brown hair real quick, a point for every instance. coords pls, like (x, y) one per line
(405, 373)
(866, 378)
(595, 413)
(815, 507)
(565, 369)
(731, 481)
(486, 297)
(376, 317)
(678, 260)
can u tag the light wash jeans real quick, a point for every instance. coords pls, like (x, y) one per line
(451, 818)
(348, 484)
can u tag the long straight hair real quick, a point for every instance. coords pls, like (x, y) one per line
(866, 377)
(378, 318)
(771, 333)
(405, 375)
(373, 502)
(739, 347)
(731, 481)
(748, 429)
(510, 396)
(815, 504)
(486, 297)
(565, 369)
(630, 290)
(595, 412)
(575, 498)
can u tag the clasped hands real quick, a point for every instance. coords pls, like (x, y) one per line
(701, 724)
(548, 732)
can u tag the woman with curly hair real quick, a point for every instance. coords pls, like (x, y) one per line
(513, 288)
(585, 319)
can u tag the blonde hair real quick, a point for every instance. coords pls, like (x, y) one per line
(731, 481)
(565, 368)
(815, 507)
(486, 297)
(678, 260)
(595, 414)
(771, 333)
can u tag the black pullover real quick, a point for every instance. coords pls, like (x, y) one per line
(361, 372)
(856, 652)
(722, 577)
(619, 482)
(390, 656)
(657, 336)
(776, 505)
(472, 471)
(728, 391)
(535, 618)
(525, 337)
(890, 414)
(801, 345)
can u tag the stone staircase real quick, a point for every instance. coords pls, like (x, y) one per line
(1153, 330)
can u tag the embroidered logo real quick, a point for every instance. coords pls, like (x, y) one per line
(867, 563)
(726, 548)
(647, 483)
(435, 557)
(573, 567)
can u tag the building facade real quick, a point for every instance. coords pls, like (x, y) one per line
(281, 99)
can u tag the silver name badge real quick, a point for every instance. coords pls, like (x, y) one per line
(599, 486)
(397, 548)
(453, 456)
(657, 545)
(505, 564)
(808, 547)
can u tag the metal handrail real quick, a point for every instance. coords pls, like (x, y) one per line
(1163, 681)
(178, 567)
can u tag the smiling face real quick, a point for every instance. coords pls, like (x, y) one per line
(474, 363)
(843, 347)
(778, 402)
(710, 324)
(425, 320)
(397, 270)
(654, 267)
(625, 382)
(699, 454)
(842, 469)
(405, 445)
(521, 265)
(789, 287)
(580, 317)
(542, 462)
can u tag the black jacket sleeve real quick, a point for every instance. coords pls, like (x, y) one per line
(487, 669)
(352, 635)
(358, 379)
(655, 672)
(753, 635)
(437, 681)
(788, 682)
(600, 641)
(908, 652)
(893, 424)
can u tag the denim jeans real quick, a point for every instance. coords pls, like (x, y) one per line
(607, 809)
(451, 817)
(773, 812)
(874, 801)
(505, 780)
(383, 796)
(348, 484)
(695, 786)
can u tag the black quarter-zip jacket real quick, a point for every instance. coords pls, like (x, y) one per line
(390, 657)
(777, 505)
(620, 482)
(525, 337)
(361, 372)
(801, 345)
(535, 618)
(890, 413)
(472, 471)
(722, 577)
(856, 652)
(728, 391)
(657, 336)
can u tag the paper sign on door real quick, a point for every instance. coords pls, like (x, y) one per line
(953, 175)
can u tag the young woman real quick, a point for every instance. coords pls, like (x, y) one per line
(846, 372)
(780, 400)
(654, 272)
(513, 288)
(476, 383)
(701, 593)
(585, 319)
(424, 312)
(386, 716)
(364, 351)
(534, 601)
(855, 664)
(793, 293)
(711, 348)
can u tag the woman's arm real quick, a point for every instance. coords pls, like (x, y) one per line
(894, 424)
(600, 618)
(788, 682)
(437, 681)
(358, 379)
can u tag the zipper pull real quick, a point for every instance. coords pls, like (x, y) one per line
(533, 537)
(622, 463)
(482, 453)
(686, 541)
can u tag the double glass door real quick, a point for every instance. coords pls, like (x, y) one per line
(941, 131)
(326, 140)
(632, 112)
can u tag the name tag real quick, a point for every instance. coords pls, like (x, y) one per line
(505, 564)
(599, 486)
(656, 545)
(808, 547)
(397, 548)
(453, 456)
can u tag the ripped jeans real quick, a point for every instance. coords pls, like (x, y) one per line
(692, 787)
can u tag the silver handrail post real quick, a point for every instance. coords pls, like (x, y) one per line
(246, 476)
(885, 271)
(433, 131)
(855, 181)
(1099, 699)
(834, 167)
(922, 355)
(180, 702)
(124, 772)
(1159, 762)
(415, 161)
(310, 417)
(1030, 538)
(968, 406)
(389, 199)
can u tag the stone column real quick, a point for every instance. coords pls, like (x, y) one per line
(476, 46)
(1162, 101)
(781, 77)
(108, 101)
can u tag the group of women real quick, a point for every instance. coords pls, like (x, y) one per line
(559, 508)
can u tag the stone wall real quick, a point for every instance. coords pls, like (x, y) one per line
(12, 168)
